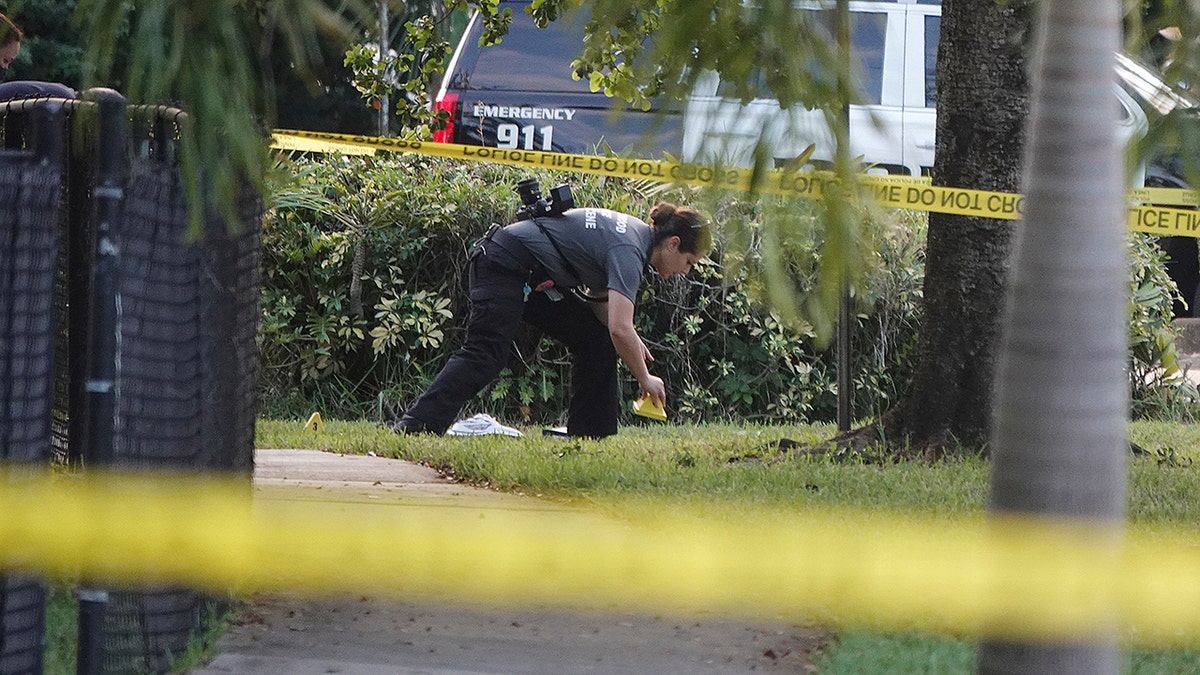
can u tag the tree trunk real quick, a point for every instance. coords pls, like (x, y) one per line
(982, 107)
(1059, 439)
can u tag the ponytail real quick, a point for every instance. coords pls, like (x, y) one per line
(695, 235)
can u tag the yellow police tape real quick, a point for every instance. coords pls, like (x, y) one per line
(1011, 578)
(901, 192)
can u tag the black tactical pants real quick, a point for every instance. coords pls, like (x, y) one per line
(498, 306)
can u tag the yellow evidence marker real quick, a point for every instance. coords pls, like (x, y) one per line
(646, 407)
(314, 423)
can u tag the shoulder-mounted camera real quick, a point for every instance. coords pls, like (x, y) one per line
(533, 205)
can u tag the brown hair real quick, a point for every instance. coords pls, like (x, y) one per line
(9, 32)
(695, 235)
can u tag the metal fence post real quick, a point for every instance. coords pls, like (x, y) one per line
(845, 383)
(108, 194)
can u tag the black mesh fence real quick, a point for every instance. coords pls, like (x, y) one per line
(187, 355)
(29, 205)
(23, 604)
(185, 380)
(145, 631)
(183, 394)
(29, 200)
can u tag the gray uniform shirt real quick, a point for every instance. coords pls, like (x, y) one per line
(607, 249)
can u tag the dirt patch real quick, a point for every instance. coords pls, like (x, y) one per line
(366, 635)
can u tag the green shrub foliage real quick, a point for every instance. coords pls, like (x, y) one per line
(364, 299)
(1156, 379)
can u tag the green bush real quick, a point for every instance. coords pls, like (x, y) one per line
(731, 358)
(364, 299)
(1157, 385)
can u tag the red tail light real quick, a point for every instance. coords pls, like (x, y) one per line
(449, 103)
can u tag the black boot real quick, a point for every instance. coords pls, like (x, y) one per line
(409, 425)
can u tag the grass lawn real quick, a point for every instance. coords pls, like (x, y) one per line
(736, 467)
(62, 630)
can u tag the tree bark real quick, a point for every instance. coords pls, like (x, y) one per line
(983, 99)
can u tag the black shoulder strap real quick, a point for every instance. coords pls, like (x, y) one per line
(567, 263)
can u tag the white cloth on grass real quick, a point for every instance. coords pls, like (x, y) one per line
(481, 425)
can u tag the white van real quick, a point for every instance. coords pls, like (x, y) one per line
(893, 129)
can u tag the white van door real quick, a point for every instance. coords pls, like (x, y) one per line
(892, 130)
(920, 94)
(877, 37)
(720, 129)
(923, 26)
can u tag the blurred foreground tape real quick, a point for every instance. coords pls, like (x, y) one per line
(967, 576)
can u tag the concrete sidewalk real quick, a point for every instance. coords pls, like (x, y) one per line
(365, 635)
(315, 475)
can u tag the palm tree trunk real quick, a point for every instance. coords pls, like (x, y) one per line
(1059, 437)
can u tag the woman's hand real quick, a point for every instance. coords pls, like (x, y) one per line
(655, 389)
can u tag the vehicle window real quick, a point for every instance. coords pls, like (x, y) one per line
(933, 28)
(867, 30)
(531, 59)
(867, 34)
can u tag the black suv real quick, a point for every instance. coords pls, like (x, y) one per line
(519, 94)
